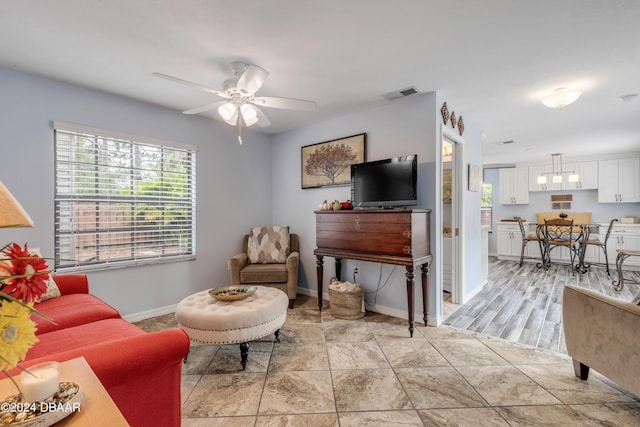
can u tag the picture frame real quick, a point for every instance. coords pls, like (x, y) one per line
(475, 178)
(328, 164)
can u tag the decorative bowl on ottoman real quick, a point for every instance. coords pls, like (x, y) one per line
(232, 293)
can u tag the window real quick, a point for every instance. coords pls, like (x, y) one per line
(486, 205)
(121, 200)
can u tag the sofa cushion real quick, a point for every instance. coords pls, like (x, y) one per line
(71, 310)
(268, 245)
(52, 290)
(264, 273)
(82, 336)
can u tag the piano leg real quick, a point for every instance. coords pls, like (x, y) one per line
(425, 268)
(409, 274)
(319, 273)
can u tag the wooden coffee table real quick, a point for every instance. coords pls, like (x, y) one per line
(96, 409)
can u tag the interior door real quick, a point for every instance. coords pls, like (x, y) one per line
(448, 232)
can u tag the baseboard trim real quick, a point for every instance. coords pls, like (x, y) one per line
(142, 315)
(475, 292)
(381, 309)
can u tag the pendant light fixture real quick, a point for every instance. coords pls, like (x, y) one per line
(557, 175)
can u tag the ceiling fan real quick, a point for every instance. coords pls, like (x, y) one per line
(240, 106)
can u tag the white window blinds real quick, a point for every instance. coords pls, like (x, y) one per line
(121, 200)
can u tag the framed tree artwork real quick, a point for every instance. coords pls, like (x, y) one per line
(329, 163)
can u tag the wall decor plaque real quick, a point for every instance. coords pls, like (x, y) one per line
(445, 113)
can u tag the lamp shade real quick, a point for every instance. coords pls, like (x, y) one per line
(249, 114)
(11, 213)
(561, 97)
(226, 111)
(542, 180)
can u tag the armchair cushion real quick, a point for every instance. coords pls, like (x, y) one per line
(259, 273)
(268, 245)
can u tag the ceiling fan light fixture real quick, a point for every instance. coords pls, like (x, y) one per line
(227, 111)
(249, 114)
(561, 97)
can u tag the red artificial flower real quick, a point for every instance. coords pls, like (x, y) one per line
(23, 275)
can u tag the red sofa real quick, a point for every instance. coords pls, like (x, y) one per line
(141, 371)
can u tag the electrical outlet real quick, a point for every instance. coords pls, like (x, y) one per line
(356, 270)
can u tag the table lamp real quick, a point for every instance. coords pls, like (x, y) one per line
(11, 213)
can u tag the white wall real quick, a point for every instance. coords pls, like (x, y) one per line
(233, 182)
(234, 186)
(401, 127)
(470, 232)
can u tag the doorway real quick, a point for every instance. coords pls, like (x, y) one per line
(451, 206)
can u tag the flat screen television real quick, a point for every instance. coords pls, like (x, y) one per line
(385, 183)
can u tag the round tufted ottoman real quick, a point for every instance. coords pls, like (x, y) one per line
(207, 320)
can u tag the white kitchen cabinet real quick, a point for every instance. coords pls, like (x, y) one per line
(587, 176)
(619, 180)
(509, 240)
(623, 237)
(514, 186)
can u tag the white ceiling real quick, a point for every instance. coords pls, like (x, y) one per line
(491, 60)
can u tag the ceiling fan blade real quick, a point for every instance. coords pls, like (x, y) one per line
(188, 83)
(251, 80)
(263, 121)
(286, 103)
(205, 107)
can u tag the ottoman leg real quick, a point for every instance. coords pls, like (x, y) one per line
(244, 352)
(277, 334)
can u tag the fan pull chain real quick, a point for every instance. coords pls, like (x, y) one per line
(239, 129)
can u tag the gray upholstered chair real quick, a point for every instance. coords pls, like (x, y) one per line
(283, 276)
(601, 332)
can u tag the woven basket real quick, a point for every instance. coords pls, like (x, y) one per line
(346, 305)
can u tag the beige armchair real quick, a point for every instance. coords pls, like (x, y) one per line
(283, 276)
(602, 333)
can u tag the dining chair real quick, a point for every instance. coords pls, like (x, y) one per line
(526, 238)
(560, 233)
(602, 244)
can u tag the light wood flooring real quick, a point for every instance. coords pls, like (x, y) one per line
(524, 304)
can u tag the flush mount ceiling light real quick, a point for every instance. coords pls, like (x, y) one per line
(557, 175)
(561, 97)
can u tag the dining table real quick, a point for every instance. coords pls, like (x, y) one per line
(564, 233)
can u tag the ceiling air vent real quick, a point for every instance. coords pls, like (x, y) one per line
(401, 93)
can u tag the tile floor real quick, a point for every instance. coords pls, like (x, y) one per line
(368, 372)
(524, 303)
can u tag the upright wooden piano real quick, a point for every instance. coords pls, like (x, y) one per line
(398, 236)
